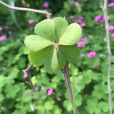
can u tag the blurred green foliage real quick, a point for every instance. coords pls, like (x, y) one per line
(91, 95)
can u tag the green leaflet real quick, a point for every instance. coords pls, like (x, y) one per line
(36, 43)
(45, 29)
(72, 35)
(71, 53)
(54, 44)
(60, 25)
(51, 64)
(38, 58)
(61, 59)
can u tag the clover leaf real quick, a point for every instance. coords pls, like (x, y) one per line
(54, 44)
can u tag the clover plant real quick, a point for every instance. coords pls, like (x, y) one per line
(54, 44)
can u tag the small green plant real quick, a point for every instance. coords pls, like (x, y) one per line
(54, 44)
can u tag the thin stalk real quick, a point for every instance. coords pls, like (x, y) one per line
(27, 9)
(65, 73)
(109, 54)
(29, 76)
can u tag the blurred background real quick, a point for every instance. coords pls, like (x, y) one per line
(91, 91)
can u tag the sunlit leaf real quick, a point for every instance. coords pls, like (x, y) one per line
(36, 43)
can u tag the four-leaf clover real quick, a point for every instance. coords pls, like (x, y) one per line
(54, 44)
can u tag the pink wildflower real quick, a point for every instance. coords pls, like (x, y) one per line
(112, 35)
(75, 3)
(111, 28)
(98, 18)
(31, 21)
(2, 38)
(103, 18)
(78, 21)
(85, 0)
(108, 17)
(24, 4)
(111, 4)
(25, 75)
(45, 5)
(10, 32)
(91, 54)
(51, 18)
(80, 44)
(81, 18)
(72, 16)
(50, 91)
(83, 25)
(84, 39)
(1, 28)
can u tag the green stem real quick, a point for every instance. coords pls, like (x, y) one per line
(73, 83)
(13, 16)
(65, 73)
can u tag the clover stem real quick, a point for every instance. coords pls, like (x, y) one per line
(65, 73)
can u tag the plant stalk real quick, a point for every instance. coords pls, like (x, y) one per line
(29, 76)
(109, 54)
(65, 73)
(27, 9)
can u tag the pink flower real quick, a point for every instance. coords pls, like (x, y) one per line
(72, 16)
(1, 28)
(25, 75)
(31, 21)
(78, 21)
(98, 18)
(84, 39)
(45, 5)
(108, 17)
(80, 44)
(103, 18)
(75, 3)
(51, 18)
(111, 4)
(91, 54)
(50, 91)
(10, 32)
(83, 25)
(24, 4)
(112, 35)
(85, 0)
(111, 28)
(2, 38)
(81, 18)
